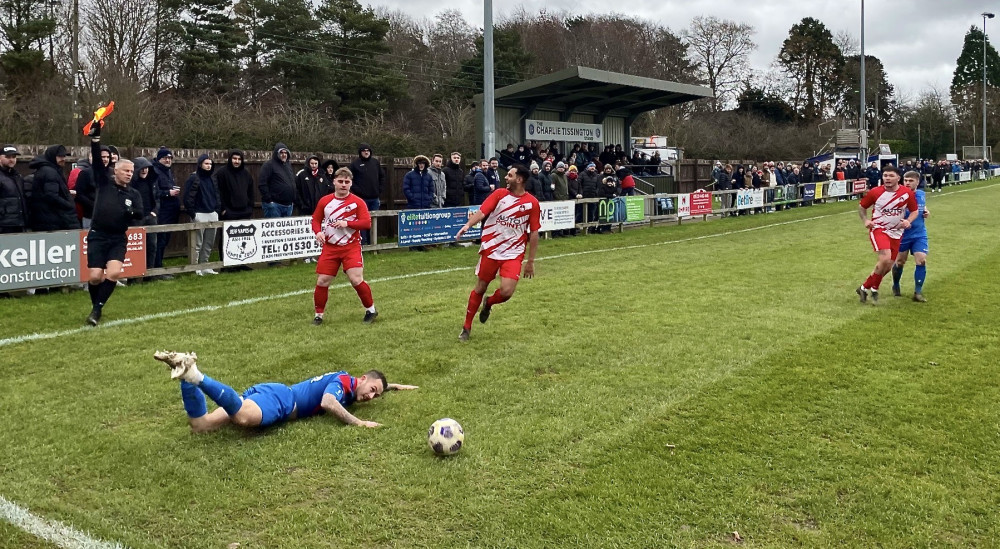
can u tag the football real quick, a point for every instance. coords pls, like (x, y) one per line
(445, 437)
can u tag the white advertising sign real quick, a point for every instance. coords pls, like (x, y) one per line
(272, 239)
(684, 205)
(563, 131)
(837, 188)
(749, 198)
(557, 215)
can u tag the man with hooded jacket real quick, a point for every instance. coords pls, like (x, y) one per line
(144, 181)
(50, 204)
(13, 206)
(235, 188)
(311, 184)
(277, 184)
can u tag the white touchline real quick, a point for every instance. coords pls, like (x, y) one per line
(249, 301)
(52, 531)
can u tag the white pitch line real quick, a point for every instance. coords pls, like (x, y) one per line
(249, 301)
(53, 531)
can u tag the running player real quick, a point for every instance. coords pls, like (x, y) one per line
(914, 241)
(511, 214)
(337, 222)
(265, 404)
(886, 226)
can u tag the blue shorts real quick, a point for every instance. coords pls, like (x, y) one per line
(276, 401)
(914, 244)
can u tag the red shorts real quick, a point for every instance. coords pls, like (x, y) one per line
(487, 268)
(882, 241)
(333, 257)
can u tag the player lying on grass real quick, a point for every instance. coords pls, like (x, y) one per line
(265, 404)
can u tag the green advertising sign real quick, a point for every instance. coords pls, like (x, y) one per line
(635, 208)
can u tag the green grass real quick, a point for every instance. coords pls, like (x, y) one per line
(665, 395)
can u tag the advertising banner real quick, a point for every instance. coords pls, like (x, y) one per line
(31, 260)
(819, 191)
(555, 215)
(749, 198)
(701, 203)
(837, 188)
(683, 205)
(563, 131)
(273, 239)
(965, 176)
(135, 254)
(420, 227)
(860, 186)
(635, 208)
(808, 192)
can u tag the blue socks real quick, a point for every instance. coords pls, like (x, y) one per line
(194, 400)
(897, 273)
(918, 278)
(222, 394)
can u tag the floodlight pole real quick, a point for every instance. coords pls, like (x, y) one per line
(489, 123)
(863, 123)
(986, 15)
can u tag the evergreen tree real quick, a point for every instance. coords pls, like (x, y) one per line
(209, 53)
(812, 60)
(765, 104)
(24, 25)
(967, 82)
(510, 64)
(881, 104)
(354, 37)
(291, 45)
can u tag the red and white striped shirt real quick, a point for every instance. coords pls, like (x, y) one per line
(890, 208)
(509, 220)
(351, 209)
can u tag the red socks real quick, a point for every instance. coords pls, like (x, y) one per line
(475, 300)
(873, 281)
(320, 295)
(365, 293)
(496, 298)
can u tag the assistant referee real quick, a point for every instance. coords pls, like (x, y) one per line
(115, 206)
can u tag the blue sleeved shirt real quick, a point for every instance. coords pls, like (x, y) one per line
(917, 228)
(308, 394)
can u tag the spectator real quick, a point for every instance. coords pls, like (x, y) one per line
(144, 182)
(724, 182)
(482, 186)
(277, 183)
(560, 184)
(418, 185)
(369, 180)
(506, 156)
(440, 181)
(575, 193)
(311, 184)
(807, 173)
(839, 173)
(522, 156)
(654, 164)
(86, 190)
(610, 188)
(170, 203)
(469, 182)
(874, 175)
(533, 185)
(590, 184)
(545, 177)
(454, 181)
(853, 170)
(201, 200)
(13, 206)
(50, 202)
(937, 176)
(792, 186)
(235, 188)
(627, 182)
(493, 174)
(330, 168)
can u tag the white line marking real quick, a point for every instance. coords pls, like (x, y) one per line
(249, 301)
(53, 531)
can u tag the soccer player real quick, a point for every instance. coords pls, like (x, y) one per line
(265, 404)
(888, 202)
(914, 241)
(511, 214)
(337, 223)
(116, 205)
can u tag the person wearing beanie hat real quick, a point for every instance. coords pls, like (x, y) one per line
(13, 205)
(170, 203)
(545, 176)
(163, 152)
(369, 180)
(534, 183)
(534, 166)
(115, 155)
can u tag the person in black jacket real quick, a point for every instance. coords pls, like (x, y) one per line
(277, 184)
(170, 203)
(454, 177)
(369, 180)
(50, 203)
(13, 206)
(201, 200)
(144, 181)
(311, 184)
(86, 189)
(115, 207)
(235, 188)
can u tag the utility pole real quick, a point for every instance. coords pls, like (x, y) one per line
(74, 71)
(986, 15)
(489, 123)
(863, 123)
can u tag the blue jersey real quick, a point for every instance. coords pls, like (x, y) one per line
(917, 228)
(308, 394)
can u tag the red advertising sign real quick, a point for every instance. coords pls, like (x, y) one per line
(701, 203)
(860, 186)
(135, 254)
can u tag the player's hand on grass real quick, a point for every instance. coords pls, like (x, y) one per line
(529, 269)
(370, 424)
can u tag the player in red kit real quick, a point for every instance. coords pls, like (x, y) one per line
(889, 202)
(512, 220)
(337, 223)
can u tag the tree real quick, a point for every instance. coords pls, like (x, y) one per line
(291, 47)
(721, 51)
(117, 46)
(880, 101)
(210, 43)
(24, 25)
(967, 81)
(767, 105)
(812, 61)
(510, 64)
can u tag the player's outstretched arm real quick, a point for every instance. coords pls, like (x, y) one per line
(401, 387)
(474, 220)
(332, 406)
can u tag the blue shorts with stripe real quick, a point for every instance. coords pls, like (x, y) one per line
(914, 244)
(276, 401)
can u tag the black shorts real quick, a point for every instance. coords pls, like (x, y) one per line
(103, 247)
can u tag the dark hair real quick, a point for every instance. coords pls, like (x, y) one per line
(521, 172)
(378, 375)
(890, 168)
(493, 158)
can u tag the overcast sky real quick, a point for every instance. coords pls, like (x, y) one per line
(917, 40)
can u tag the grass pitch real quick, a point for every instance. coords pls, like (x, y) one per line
(661, 387)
